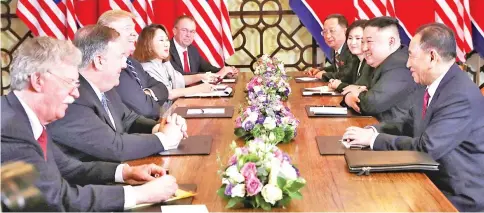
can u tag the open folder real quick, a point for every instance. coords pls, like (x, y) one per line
(205, 111)
(227, 92)
(364, 162)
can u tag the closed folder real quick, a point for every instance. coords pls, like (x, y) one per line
(193, 145)
(364, 162)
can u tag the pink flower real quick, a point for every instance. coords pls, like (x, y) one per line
(238, 122)
(278, 154)
(233, 160)
(253, 185)
(249, 169)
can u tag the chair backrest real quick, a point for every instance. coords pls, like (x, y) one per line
(482, 88)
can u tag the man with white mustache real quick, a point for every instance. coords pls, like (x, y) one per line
(44, 80)
(98, 126)
(390, 83)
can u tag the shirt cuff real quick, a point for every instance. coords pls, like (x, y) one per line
(129, 197)
(373, 138)
(118, 175)
(152, 94)
(163, 139)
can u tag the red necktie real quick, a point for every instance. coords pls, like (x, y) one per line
(186, 67)
(425, 103)
(43, 142)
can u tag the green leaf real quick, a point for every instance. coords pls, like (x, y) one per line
(252, 158)
(289, 135)
(234, 201)
(281, 182)
(295, 195)
(258, 200)
(265, 205)
(240, 132)
(221, 192)
(294, 186)
(285, 201)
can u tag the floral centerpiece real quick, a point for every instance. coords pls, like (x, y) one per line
(274, 85)
(270, 121)
(260, 175)
(269, 66)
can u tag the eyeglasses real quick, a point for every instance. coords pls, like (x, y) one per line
(185, 30)
(71, 82)
(328, 32)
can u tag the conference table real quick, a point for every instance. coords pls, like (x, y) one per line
(330, 186)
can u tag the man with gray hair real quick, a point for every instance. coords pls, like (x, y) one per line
(386, 95)
(446, 121)
(98, 126)
(44, 80)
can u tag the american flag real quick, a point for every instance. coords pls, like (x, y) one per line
(54, 18)
(456, 15)
(141, 9)
(213, 38)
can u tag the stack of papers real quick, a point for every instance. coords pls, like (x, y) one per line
(220, 93)
(179, 194)
(206, 111)
(184, 208)
(330, 110)
(229, 80)
(319, 89)
(318, 93)
(220, 87)
(307, 78)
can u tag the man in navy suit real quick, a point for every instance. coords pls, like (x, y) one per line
(446, 121)
(44, 81)
(138, 90)
(185, 58)
(98, 126)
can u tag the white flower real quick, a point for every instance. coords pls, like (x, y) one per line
(238, 190)
(275, 169)
(271, 193)
(257, 89)
(280, 66)
(225, 181)
(287, 171)
(262, 98)
(233, 173)
(238, 151)
(272, 136)
(269, 123)
(277, 107)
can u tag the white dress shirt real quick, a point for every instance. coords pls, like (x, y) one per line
(180, 51)
(431, 89)
(37, 128)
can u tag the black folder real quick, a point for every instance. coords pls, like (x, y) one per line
(364, 162)
(193, 145)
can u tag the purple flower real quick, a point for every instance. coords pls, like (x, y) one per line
(233, 160)
(248, 126)
(253, 185)
(245, 150)
(228, 189)
(260, 119)
(286, 157)
(297, 170)
(258, 140)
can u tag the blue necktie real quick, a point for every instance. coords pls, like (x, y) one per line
(133, 70)
(104, 102)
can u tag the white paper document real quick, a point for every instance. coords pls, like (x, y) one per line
(220, 87)
(318, 93)
(329, 110)
(219, 93)
(306, 78)
(206, 111)
(229, 80)
(184, 208)
(319, 89)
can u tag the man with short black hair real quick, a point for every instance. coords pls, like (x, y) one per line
(446, 121)
(390, 83)
(334, 34)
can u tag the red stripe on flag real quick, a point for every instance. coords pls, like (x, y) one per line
(366, 9)
(27, 22)
(390, 9)
(53, 17)
(141, 11)
(381, 7)
(149, 11)
(226, 41)
(70, 11)
(125, 7)
(39, 19)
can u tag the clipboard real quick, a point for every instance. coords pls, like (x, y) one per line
(193, 145)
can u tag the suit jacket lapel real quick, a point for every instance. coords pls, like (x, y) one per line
(176, 58)
(87, 90)
(193, 63)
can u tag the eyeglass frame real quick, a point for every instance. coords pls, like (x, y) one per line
(185, 30)
(75, 83)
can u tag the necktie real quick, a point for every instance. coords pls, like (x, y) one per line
(186, 67)
(104, 102)
(43, 142)
(425, 103)
(337, 60)
(133, 71)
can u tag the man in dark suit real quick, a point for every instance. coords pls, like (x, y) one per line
(184, 57)
(44, 81)
(138, 90)
(386, 95)
(334, 34)
(98, 126)
(446, 121)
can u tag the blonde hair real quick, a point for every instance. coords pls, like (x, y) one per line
(111, 16)
(41, 54)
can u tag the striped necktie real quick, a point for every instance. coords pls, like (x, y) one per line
(133, 71)
(104, 102)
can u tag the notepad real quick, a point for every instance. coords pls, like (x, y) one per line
(306, 78)
(329, 110)
(220, 87)
(184, 208)
(321, 89)
(221, 93)
(229, 80)
(179, 194)
(206, 111)
(318, 93)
